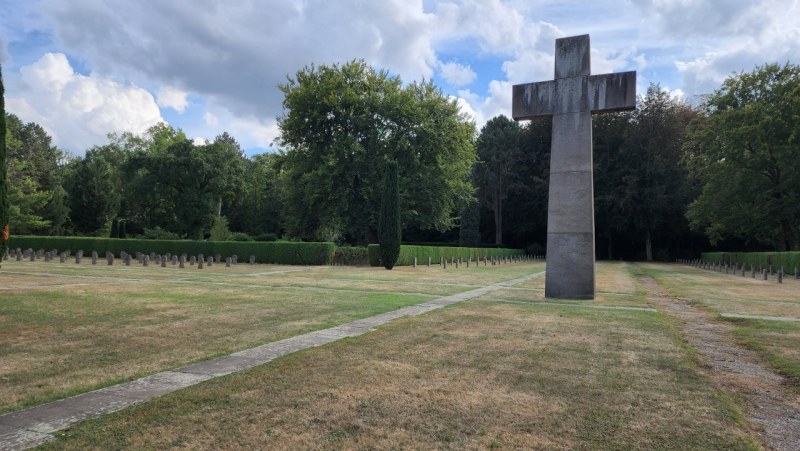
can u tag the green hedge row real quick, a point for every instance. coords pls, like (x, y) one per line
(763, 259)
(436, 253)
(280, 252)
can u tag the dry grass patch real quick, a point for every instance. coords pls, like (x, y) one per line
(778, 341)
(479, 375)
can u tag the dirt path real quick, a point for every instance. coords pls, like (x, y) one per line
(770, 405)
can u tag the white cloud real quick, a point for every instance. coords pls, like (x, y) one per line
(236, 53)
(210, 119)
(78, 111)
(456, 74)
(169, 97)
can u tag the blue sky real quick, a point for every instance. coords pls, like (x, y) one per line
(84, 68)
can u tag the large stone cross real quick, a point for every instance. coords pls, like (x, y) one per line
(571, 99)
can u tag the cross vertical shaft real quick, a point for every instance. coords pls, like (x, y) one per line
(570, 99)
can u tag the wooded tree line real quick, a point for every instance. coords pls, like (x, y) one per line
(669, 179)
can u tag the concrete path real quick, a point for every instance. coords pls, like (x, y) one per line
(31, 427)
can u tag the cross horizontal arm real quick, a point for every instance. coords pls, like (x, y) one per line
(532, 100)
(612, 92)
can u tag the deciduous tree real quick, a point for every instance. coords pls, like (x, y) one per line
(746, 152)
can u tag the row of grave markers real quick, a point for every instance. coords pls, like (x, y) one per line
(764, 272)
(200, 259)
(456, 262)
(142, 259)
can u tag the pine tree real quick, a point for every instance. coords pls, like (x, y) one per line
(4, 230)
(389, 220)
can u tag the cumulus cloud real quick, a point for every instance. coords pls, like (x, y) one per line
(169, 97)
(236, 53)
(456, 74)
(77, 110)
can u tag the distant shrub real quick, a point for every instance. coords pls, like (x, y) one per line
(158, 233)
(266, 237)
(436, 253)
(239, 236)
(350, 256)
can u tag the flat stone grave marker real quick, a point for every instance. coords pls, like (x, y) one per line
(570, 99)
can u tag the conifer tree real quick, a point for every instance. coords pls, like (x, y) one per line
(389, 219)
(4, 229)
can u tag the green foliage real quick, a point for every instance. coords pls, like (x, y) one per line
(436, 253)
(468, 233)
(4, 222)
(499, 154)
(745, 151)
(93, 185)
(157, 233)
(36, 199)
(339, 121)
(389, 220)
(220, 231)
(239, 236)
(114, 228)
(266, 237)
(279, 252)
(351, 256)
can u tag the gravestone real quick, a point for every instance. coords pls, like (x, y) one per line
(228, 262)
(182, 262)
(94, 257)
(200, 263)
(210, 260)
(571, 99)
(252, 259)
(192, 260)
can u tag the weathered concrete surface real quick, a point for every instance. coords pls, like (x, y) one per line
(571, 98)
(31, 427)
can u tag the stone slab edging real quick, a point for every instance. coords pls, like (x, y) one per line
(27, 428)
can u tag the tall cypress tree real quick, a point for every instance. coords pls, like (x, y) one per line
(4, 229)
(389, 220)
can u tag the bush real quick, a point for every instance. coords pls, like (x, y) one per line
(159, 234)
(266, 237)
(350, 256)
(436, 253)
(240, 236)
(279, 252)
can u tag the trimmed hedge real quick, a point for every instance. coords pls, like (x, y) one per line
(350, 256)
(763, 259)
(280, 252)
(408, 252)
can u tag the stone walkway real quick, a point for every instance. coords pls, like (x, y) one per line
(31, 427)
(770, 406)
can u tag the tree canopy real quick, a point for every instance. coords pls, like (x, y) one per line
(745, 150)
(340, 123)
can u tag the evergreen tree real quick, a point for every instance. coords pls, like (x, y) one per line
(114, 228)
(469, 234)
(389, 219)
(4, 231)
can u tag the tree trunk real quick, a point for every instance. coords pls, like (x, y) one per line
(498, 219)
(648, 247)
(219, 208)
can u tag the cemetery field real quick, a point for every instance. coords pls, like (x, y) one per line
(67, 328)
(507, 369)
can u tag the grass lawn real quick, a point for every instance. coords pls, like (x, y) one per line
(487, 373)
(67, 329)
(724, 294)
